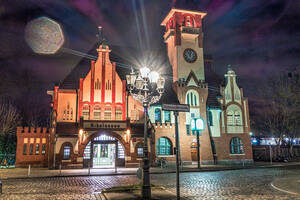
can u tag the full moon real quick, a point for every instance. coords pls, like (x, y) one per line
(44, 35)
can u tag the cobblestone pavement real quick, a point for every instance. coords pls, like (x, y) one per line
(236, 184)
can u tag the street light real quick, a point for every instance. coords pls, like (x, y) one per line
(147, 88)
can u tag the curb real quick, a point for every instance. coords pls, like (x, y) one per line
(285, 191)
(158, 172)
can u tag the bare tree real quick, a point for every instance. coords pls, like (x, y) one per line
(9, 117)
(282, 106)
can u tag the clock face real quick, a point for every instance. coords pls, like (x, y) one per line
(190, 55)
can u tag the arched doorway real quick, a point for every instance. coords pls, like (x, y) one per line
(104, 151)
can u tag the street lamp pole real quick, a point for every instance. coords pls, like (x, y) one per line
(147, 88)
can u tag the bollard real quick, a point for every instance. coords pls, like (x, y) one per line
(0, 187)
(29, 166)
(116, 171)
(89, 170)
(60, 169)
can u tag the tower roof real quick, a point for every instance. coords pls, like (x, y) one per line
(173, 10)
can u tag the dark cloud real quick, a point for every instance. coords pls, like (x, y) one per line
(257, 37)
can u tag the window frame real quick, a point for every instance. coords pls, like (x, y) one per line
(37, 149)
(167, 147)
(66, 149)
(138, 153)
(157, 112)
(24, 149)
(236, 146)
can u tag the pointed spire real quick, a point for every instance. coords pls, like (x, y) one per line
(100, 36)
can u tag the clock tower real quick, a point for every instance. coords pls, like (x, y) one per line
(183, 36)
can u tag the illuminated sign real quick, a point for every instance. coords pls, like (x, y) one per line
(197, 124)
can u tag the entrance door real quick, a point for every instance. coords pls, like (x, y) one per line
(104, 155)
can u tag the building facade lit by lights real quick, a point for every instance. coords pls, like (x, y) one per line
(95, 123)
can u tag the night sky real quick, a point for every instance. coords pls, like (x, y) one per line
(257, 37)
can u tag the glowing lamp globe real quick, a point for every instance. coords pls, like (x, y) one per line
(144, 72)
(153, 77)
(139, 83)
(44, 36)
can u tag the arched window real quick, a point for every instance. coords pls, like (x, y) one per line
(192, 98)
(236, 146)
(86, 112)
(139, 150)
(157, 115)
(67, 152)
(164, 146)
(234, 116)
(97, 112)
(167, 116)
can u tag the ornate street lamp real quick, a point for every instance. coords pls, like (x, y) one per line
(147, 88)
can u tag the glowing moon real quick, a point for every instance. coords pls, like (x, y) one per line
(44, 35)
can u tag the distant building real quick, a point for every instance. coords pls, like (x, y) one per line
(95, 123)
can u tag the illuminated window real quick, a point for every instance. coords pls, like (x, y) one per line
(234, 116)
(157, 113)
(167, 116)
(107, 113)
(192, 98)
(43, 149)
(37, 149)
(86, 112)
(230, 117)
(139, 150)
(236, 146)
(67, 152)
(97, 112)
(118, 113)
(163, 146)
(24, 149)
(237, 118)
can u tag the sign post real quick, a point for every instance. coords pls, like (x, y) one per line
(176, 108)
(198, 125)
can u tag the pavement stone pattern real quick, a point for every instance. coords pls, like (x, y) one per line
(235, 184)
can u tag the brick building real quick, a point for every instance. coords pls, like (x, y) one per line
(96, 123)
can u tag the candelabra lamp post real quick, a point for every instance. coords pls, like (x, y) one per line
(146, 87)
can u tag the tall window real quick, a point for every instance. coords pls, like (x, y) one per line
(24, 149)
(167, 116)
(67, 152)
(107, 113)
(31, 149)
(188, 129)
(118, 113)
(86, 112)
(192, 98)
(43, 149)
(157, 115)
(37, 149)
(229, 117)
(236, 146)
(210, 118)
(234, 116)
(237, 118)
(140, 150)
(97, 113)
(163, 146)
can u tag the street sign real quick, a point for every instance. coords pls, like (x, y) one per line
(176, 107)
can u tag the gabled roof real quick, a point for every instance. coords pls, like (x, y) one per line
(214, 82)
